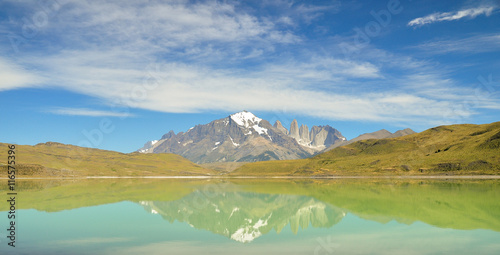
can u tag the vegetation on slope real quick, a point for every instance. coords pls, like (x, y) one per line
(451, 150)
(55, 159)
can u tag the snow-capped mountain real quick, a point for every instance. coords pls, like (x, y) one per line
(244, 137)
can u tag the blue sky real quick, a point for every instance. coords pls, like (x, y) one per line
(115, 74)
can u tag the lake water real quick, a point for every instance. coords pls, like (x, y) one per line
(162, 216)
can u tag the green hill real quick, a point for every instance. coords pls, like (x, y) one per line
(56, 159)
(451, 150)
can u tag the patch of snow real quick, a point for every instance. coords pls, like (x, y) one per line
(249, 233)
(234, 210)
(249, 121)
(235, 144)
(260, 129)
(148, 146)
(260, 223)
(216, 208)
(309, 208)
(245, 119)
(189, 129)
(309, 145)
(343, 139)
(217, 143)
(153, 211)
(245, 235)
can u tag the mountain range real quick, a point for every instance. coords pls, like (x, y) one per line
(244, 137)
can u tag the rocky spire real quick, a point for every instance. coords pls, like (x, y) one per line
(317, 139)
(294, 130)
(304, 134)
(280, 127)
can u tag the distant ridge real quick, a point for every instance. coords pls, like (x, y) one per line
(381, 134)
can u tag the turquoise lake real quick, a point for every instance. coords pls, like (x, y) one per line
(164, 216)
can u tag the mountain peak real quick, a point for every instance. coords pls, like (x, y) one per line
(245, 118)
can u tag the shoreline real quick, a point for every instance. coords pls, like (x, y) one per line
(464, 177)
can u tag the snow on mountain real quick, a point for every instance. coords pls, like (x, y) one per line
(147, 146)
(245, 119)
(248, 120)
(260, 130)
(235, 144)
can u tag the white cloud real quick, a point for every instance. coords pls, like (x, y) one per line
(449, 16)
(176, 57)
(14, 76)
(87, 112)
(184, 88)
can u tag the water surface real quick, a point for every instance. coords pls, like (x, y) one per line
(146, 216)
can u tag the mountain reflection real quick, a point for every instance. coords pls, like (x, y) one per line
(243, 210)
(244, 216)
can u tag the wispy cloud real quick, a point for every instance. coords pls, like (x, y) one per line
(165, 26)
(449, 16)
(472, 44)
(87, 112)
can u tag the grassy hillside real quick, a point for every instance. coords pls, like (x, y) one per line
(55, 159)
(451, 150)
